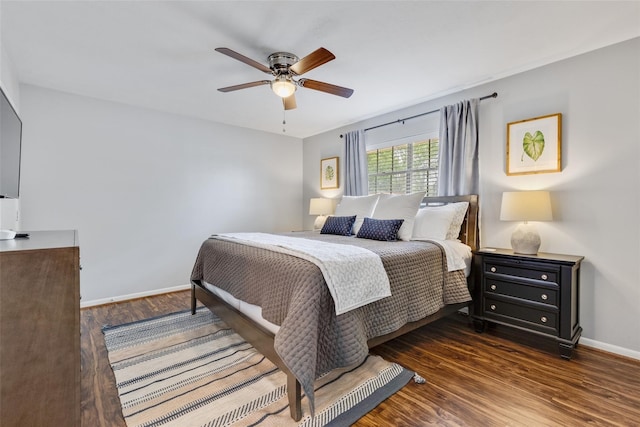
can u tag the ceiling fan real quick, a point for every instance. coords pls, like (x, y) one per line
(285, 67)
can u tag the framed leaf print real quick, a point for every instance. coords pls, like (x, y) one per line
(329, 173)
(534, 145)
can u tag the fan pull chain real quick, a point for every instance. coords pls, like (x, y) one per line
(284, 120)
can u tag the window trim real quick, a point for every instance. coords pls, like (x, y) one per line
(404, 140)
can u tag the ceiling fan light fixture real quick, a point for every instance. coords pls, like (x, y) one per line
(286, 68)
(283, 86)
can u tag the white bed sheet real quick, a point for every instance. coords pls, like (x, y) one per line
(458, 255)
(254, 312)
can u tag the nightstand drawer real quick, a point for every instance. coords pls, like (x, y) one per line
(524, 291)
(545, 320)
(543, 273)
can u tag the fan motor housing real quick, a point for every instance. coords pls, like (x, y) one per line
(281, 61)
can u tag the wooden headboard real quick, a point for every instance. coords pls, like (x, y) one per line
(469, 232)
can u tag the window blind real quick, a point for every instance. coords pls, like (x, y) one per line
(404, 168)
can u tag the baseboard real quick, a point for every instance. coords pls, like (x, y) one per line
(610, 348)
(93, 303)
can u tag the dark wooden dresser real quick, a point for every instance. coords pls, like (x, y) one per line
(535, 293)
(40, 330)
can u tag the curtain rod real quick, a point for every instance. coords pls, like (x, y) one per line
(493, 95)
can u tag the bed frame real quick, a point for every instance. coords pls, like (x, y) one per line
(263, 340)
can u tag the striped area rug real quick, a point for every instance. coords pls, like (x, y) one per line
(193, 370)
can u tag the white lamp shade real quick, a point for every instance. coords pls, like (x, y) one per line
(526, 206)
(320, 206)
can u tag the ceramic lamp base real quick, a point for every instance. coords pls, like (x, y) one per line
(525, 239)
(319, 222)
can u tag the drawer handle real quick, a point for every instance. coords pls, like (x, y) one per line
(493, 307)
(493, 269)
(544, 277)
(544, 296)
(543, 319)
(493, 287)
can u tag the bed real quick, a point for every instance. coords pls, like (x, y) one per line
(294, 323)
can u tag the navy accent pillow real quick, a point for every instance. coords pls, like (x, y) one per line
(340, 225)
(380, 229)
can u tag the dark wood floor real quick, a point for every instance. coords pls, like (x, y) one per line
(498, 378)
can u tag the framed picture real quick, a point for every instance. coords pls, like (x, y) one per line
(534, 145)
(329, 173)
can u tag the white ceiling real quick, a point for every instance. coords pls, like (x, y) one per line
(394, 54)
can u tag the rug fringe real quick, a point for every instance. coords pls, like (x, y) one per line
(418, 379)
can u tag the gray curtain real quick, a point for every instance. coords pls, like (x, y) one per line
(355, 161)
(458, 172)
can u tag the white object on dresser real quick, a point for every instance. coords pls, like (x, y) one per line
(7, 234)
(9, 214)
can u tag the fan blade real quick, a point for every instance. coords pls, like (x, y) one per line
(311, 61)
(244, 86)
(242, 58)
(289, 102)
(326, 87)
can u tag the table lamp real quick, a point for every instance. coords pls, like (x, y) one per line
(525, 206)
(321, 207)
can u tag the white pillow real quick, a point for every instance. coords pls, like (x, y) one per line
(404, 207)
(361, 206)
(432, 223)
(457, 211)
(460, 209)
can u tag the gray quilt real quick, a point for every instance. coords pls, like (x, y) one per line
(312, 340)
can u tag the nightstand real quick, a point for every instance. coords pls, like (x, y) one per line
(535, 293)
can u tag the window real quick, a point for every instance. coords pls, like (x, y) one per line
(404, 168)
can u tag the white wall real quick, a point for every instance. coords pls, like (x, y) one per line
(9, 80)
(145, 188)
(596, 197)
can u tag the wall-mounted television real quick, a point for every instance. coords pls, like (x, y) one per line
(10, 147)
